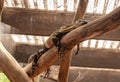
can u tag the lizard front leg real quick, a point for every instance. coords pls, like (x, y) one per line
(56, 41)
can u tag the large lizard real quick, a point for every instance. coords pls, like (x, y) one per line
(54, 40)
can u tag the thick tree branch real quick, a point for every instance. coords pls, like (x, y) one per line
(11, 68)
(90, 30)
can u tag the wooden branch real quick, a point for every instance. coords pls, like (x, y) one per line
(11, 68)
(65, 63)
(9, 65)
(16, 2)
(26, 3)
(90, 30)
(64, 67)
(45, 4)
(82, 6)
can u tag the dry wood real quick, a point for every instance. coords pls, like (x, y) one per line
(95, 6)
(11, 68)
(45, 4)
(9, 65)
(50, 20)
(65, 5)
(105, 6)
(26, 3)
(54, 20)
(17, 2)
(116, 3)
(64, 66)
(81, 10)
(35, 3)
(93, 29)
(75, 3)
(55, 4)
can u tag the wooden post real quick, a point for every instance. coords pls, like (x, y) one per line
(65, 63)
(64, 67)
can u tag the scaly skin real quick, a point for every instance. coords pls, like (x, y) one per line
(54, 39)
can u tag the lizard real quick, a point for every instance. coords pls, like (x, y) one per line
(54, 40)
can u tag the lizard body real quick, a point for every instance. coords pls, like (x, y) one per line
(54, 39)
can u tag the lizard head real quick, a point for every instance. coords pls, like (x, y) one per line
(81, 22)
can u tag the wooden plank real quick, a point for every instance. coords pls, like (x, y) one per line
(97, 58)
(35, 21)
(50, 20)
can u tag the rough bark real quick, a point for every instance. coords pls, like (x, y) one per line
(93, 29)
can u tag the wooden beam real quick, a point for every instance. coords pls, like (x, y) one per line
(35, 21)
(96, 28)
(98, 58)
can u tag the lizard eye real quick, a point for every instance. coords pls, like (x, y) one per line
(84, 22)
